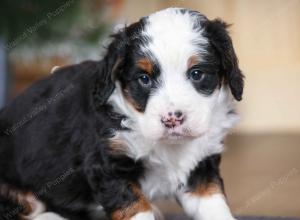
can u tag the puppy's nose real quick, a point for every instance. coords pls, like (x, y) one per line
(173, 119)
(178, 114)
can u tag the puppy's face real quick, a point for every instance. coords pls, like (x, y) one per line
(173, 66)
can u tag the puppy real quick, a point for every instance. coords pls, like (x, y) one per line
(147, 121)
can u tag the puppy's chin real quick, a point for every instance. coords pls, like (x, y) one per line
(175, 140)
(179, 138)
(174, 136)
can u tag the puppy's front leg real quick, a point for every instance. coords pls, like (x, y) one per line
(203, 197)
(118, 193)
(138, 208)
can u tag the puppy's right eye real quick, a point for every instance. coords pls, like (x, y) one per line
(196, 75)
(145, 80)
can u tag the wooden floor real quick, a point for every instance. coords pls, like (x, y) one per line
(262, 175)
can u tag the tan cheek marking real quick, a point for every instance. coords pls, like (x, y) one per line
(207, 190)
(141, 205)
(146, 65)
(192, 61)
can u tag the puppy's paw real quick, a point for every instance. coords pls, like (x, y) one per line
(144, 216)
(215, 216)
(222, 218)
(49, 216)
(212, 207)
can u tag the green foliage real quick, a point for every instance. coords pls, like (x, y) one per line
(46, 20)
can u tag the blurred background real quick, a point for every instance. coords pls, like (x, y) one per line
(261, 165)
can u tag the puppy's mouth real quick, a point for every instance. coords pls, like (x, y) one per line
(178, 133)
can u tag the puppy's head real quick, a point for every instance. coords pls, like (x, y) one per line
(169, 70)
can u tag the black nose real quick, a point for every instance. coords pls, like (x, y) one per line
(178, 114)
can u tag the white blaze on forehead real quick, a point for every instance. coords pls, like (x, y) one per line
(173, 38)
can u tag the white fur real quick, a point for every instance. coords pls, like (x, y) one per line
(206, 208)
(143, 216)
(49, 216)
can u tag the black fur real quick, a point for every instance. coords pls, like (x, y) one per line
(216, 33)
(8, 209)
(206, 172)
(55, 129)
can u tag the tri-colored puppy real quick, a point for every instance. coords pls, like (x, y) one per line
(147, 121)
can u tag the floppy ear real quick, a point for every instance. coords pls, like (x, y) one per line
(221, 42)
(108, 69)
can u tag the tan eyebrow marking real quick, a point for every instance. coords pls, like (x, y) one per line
(146, 65)
(192, 61)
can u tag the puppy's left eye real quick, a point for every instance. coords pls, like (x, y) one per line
(195, 75)
(203, 81)
(145, 80)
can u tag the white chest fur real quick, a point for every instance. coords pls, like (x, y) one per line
(168, 165)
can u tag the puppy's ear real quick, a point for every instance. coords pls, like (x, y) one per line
(221, 42)
(109, 68)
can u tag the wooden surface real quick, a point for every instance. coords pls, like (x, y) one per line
(181, 217)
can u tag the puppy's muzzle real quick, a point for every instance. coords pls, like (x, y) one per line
(173, 119)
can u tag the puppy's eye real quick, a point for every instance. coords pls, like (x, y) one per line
(204, 81)
(195, 75)
(145, 80)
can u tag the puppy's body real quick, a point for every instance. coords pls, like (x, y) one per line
(145, 122)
